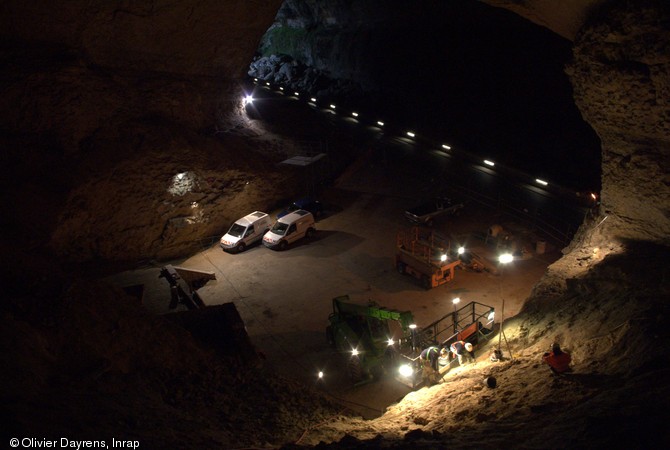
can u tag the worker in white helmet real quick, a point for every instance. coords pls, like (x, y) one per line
(464, 351)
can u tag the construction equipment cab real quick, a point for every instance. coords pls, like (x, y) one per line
(290, 228)
(246, 231)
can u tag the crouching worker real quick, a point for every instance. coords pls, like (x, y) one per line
(464, 351)
(428, 358)
(558, 360)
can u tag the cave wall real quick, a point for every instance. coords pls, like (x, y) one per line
(205, 37)
(564, 18)
(620, 75)
(104, 102)
(621, 79)
(78, 65)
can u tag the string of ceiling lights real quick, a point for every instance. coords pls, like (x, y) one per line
(485, 164)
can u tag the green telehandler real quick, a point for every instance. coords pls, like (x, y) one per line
(370, 336)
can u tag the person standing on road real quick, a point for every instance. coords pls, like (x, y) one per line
(558, 360)
(464, 351)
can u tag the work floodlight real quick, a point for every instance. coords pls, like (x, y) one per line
(405, 370)
(505, 258)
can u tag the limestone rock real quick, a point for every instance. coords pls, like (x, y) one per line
(621, 79)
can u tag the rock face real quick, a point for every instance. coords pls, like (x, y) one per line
(104, 103)
(565, 18)
(621, 79)
(191, 38)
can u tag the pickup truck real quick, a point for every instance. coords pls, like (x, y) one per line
(424, 213)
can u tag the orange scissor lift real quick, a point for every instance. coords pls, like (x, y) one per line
(425, 255)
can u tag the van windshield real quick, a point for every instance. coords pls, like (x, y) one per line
(237, 230)
(279, 228)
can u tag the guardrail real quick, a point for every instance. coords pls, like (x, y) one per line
(454, 324)
(560, 234)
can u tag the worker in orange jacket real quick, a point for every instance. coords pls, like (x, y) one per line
(558, 360)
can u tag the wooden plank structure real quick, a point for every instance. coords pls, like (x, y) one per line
(184, 285)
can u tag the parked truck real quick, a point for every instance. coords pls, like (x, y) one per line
(426, 212)
(425, 255)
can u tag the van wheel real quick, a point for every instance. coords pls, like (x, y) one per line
(241, 247)
(310, 232)
(282, 245)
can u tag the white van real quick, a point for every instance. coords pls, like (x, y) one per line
(246, 231)
(290, 228)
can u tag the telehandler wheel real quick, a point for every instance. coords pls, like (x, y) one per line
(354, 369)
(390, 360)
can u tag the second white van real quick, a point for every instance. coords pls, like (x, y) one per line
(290, 228)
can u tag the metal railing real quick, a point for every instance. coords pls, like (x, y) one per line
(558, 229)
(450, 326)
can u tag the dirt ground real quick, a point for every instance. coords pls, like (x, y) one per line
(285, 297)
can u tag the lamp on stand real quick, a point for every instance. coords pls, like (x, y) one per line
(503, 259)
(455, 301)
